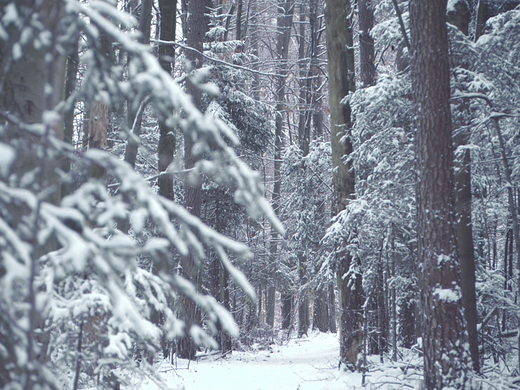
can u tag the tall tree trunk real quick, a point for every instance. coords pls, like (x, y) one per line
(321, 311)
(239, 20)
(340, 55)
(287, 308)
(284, 24)
(166, 147)
(197, 27)
(68, 115)
(460, 17)
(305, 84)
(512, 205)
(367, 68)
(332, 308)
(135, 112)
(30, 86)
(303, 308)
(316, 87)
(444, 328)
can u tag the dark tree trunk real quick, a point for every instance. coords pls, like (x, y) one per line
(284, 24)
(287, 308)
(239, 20)
(444, 328)
(340, 54)
(68, 115)
(351, 311)
(303, 308)
(305, 85)
(464, 230)
(460, 18)
(135, 114)
(367, 68)
(332, 309)
(166, 147)
(321, 311)
(197, 27)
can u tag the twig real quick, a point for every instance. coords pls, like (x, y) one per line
(214, 59)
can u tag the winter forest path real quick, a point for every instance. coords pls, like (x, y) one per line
(310, 363)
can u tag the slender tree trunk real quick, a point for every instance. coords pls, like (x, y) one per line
(332, 309)
(321, 311)
(316, 80)
(166, 147)
(367, 68)
(284, 24)
(305, 82)
(287, 308)
(460, 18)
(239, 20)
(303, 308)
(512, 206)
(444, 328)
(197, 28)
(134, 111)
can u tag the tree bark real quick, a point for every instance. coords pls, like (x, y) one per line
(287, 308)
(284, 24)
(31, 85)
(444, 328)
(197, 27)
(460, 18)
(134, 113)
(340, 54)
(166, 147)
(303, 308)
(367, 68)
(321, 311)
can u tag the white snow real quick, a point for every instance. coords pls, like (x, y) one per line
(305, 364)
(7, 156)
(309, 363)
(447, 294)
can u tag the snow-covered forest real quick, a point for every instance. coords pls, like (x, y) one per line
(259, 194)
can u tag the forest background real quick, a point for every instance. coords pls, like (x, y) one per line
(174, 174)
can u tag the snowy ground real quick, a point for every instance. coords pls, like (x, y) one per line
(301, 364)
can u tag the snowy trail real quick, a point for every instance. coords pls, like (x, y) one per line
(302, 364)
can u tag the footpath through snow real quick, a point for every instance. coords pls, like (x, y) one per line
(309, 363)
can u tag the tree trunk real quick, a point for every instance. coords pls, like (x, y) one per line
(239, 20)
(166, 147)
(287, 308)
(321, 311)
(464, 230)
(284, 24)
(31, 85)
(68, 115)
(134, 111)
(444, 332)
(367, 68)
(340, 55)
(316, 90)
(303, 308)
(332, 309)
(197, 28)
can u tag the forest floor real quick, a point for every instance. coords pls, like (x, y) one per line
(309, 363)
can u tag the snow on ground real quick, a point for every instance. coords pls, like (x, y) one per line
(309, 363)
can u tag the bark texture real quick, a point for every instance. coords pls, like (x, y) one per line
(445, 339)
(197, 28)
(460, 18)
(367, 68)
(166, 147)
(284, 24)
(340, 54)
